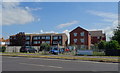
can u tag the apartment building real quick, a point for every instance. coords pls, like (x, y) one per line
(97, 36)
(80, 36)
(53, 39)
(83, 38)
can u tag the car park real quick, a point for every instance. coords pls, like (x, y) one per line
(29, 49)
(56, 50)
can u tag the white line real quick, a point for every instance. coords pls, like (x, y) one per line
(13, 57)
(66, 60)
(55, 67)
(40, 65)
(96, 62)
(51, 59)
(33, 58)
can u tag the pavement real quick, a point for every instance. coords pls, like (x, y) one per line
(44, 64)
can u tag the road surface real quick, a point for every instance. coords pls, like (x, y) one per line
(44, 64)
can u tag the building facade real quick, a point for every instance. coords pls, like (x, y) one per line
(84, 38)
(97, 36)
(80, 36)
(36, 39)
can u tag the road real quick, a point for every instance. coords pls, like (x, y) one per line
(44, 64)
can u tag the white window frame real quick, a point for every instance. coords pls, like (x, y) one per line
(35, 42)
(82, 46)
(35, 38)
(43, 37)
(75, 34)
(38, 37)
(82, 34)
(75, 40)
(43, 41)
(38, 42)
(27, 42)
(55, 37)
(48, 42)
(47, 37)
(82, 40)
(55, 42)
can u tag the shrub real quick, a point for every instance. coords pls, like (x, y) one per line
(112, 45)
(102, 45)
(3, 49)
(45, 46)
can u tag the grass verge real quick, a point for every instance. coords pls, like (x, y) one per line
(64, 57)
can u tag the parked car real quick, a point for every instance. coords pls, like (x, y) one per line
(56, 50)
(26, 49)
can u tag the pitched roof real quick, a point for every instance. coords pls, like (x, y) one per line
(96, 33)
(78, 28)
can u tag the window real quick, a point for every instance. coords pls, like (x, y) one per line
(82, 40)
(10, 37)
(60, 42)
(35, 37)
(38, 37)
(55, 37)
(27, 42)
(27, 38)
(75, 40)
(98, 37)
(60, 37)
(55, 42)
(48, 42)
(75, 34)
(43, 37)
(82, 46)
(47, 37)
(82, 34)
(38, 42)
(14, 38)
(43, 41)
(35, 42)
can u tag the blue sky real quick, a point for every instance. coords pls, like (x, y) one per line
(43, 17)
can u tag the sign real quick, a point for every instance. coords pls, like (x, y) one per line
(84, 52)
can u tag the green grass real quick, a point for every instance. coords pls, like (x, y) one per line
(64, 57)
(98, 54)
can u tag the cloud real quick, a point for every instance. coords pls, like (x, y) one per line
(67, 24)
(12, 13)
(104, 14)
(41, 31)
(109, 18)
(32, 9)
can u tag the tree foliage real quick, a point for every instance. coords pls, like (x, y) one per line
(45, 46)
(117, 34)
(102, 45)
(113, 44)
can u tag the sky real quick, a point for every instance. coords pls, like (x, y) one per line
(58, 17)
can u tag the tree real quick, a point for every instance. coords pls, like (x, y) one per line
(45, 47)
(117, 34)
(102, 45)
(112, 45)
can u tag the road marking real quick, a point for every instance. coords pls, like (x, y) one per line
(51, 59)
(13, 57)
(96, 62)
(34, 58)
(41, 65)
(66, 60)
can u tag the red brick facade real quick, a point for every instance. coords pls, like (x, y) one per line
(97, 36)
(80, 36)
(36, 39)
(83, 38)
